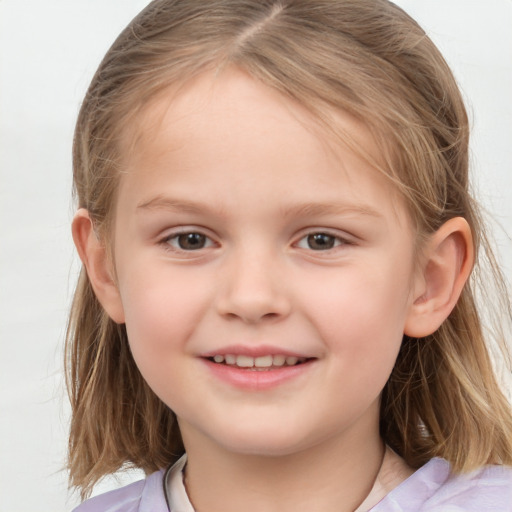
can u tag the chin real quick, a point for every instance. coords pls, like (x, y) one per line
(265, 444)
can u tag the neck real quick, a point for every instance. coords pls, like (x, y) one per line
(335, 475)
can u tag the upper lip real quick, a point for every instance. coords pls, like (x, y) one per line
(254, 351)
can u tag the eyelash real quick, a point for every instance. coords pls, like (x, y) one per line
(330, 241)
(167, 241)
(316, 236)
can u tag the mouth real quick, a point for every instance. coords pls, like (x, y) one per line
(258, 369)
(260, 363)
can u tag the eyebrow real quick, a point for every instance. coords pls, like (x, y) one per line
(302, 209)
(318, 209)
(168, 203)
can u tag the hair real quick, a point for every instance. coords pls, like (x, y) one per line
(367, 58)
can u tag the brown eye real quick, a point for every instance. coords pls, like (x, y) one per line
(319, 242)
(189, 241)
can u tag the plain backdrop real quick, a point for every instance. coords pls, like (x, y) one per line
(48, 53)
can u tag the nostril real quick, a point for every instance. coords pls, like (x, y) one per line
(252, 302)
(252, 315)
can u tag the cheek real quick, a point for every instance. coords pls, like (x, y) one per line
(159, 316)
(158, 325)
(361, 302)
(361, 319)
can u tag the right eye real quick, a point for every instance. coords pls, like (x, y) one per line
(320, 241)
(188, 241)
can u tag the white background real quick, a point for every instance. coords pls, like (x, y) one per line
(48, 53)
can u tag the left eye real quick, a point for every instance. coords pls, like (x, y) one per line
(319, 242)
(189, 241)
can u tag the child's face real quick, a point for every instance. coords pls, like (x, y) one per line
(240, 233)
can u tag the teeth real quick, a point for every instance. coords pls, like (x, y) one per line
(245, 361)
(258, 362)
(291, 360)
(279, 360)
(263, 362)
(230, 359)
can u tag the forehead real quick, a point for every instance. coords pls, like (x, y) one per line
(229, 124)
(232, 94)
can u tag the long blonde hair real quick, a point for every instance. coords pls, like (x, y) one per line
(365, 57)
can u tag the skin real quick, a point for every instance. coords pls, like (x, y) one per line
(247, 172)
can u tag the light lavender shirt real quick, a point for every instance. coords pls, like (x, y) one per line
(432, 488)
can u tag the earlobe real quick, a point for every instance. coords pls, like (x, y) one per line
(448, 261)
(94, 256)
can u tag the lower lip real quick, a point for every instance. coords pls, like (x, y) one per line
(257, 380)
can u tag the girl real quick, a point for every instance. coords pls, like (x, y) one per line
(277, 237)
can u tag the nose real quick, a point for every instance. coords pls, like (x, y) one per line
(253, 289)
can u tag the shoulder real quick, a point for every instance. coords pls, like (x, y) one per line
(434, 488)
(142, 496)
(486, 489)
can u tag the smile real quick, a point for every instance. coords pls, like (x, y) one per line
(261, 362)
(258, 372)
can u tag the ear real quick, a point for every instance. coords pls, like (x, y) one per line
(94, 256)
(446, 266)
